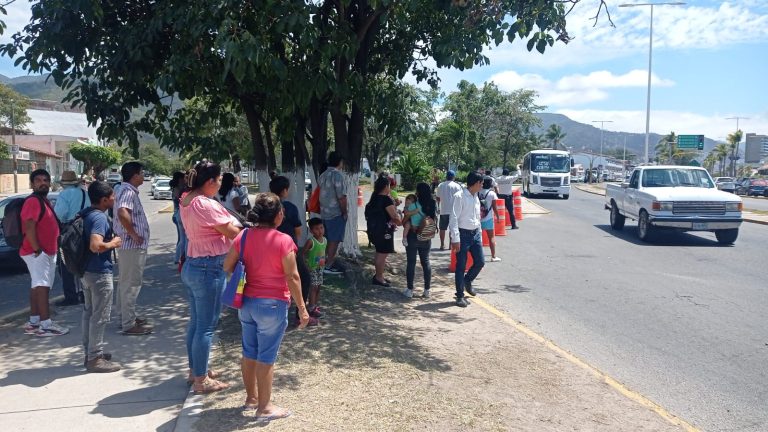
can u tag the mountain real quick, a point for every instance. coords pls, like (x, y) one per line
(35, 87)
(582, 136)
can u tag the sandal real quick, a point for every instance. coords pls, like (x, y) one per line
(212, 374)
(209, 386)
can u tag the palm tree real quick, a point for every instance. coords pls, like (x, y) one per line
(733, 144)
(666, 149)
(555, 135)
(709, 162)
(721, 152)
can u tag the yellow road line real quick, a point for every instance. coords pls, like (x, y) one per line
(621, 388)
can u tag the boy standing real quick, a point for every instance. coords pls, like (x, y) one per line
(314, 253)
(97, 280)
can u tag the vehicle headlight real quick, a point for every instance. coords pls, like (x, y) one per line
(662, 205)
(535, 179)
(566, 180)
(733, 206)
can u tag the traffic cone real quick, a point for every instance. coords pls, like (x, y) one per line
(452, 266)
(359, 197)
(486, 242)
(518, 204)
(499, 227)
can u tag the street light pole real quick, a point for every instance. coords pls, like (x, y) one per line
(650, 58)
(602, 123)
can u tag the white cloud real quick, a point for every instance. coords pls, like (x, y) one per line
(575, 89)
(713, 126)
(675, 27)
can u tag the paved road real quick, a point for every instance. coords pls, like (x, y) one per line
(15, 282)
(755, 203)
(681, 321)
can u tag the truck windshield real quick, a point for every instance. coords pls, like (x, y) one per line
(676, 177)
(550, 163)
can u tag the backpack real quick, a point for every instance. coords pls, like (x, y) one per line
(73, 245)
(484, 207)
(427, 229)
(313, 205)
(12, 220)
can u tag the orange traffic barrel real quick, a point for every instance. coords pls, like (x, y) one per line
(517, 202)
(359, 197)
(452, 267)
(486, 242)
(508, 220)
(499, 226)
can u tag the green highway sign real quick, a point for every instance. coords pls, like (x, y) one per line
(690, 142)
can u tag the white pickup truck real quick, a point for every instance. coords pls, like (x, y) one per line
(682, 198)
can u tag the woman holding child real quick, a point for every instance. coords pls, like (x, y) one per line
(271, 280)
(381, 215)
(419, 209)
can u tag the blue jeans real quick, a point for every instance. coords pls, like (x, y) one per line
(181, 242)
(472, 242)
(204, 278)
(264, 322)
(422, 248)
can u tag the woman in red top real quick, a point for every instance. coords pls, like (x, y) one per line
(271, 279)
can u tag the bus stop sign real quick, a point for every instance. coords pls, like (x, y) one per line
(695, 142)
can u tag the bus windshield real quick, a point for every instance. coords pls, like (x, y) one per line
(550, 163)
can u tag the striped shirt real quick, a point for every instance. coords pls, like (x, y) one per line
(128, 198)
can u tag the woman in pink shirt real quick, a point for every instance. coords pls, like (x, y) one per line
(271, 279)
(210, 230)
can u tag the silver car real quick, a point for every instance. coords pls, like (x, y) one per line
(726, 184)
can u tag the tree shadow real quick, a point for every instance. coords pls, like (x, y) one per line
(38, 377)
(141, 401)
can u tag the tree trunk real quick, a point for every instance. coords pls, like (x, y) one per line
(350, 247)
(259, 152)
(318, 127)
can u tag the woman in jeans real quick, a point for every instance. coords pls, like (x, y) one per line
(427, 208)
(210, 230)
(178, 187)
(272, 278)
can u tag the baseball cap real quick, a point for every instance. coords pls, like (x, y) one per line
(450, 174)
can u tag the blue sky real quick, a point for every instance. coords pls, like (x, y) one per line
(710, 62)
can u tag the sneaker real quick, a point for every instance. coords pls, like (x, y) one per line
(461, 302)
(332, 271)
(52, 330)
(495, 259)
(30, 328)
(425, 294)
(137, 331)
(101, 365)
(315, 312)
(408, 293)
(468, 288)
(143, 322)
(313, 322)
(405, 242)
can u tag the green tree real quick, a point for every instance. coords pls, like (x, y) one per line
(95, 158)
(413, 168)
(513, 120)
(555, 135)
(666, 149)
(721, 153)
(733, 140)
(14, 103)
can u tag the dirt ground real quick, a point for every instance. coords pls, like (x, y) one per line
(379, 361)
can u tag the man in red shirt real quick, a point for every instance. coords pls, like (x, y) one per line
(38, 250)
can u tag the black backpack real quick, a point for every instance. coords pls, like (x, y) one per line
(484, 205)
(12, 219)
(73, 245)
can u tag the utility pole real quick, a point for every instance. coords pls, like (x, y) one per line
(602, 123)
(14, 150)
(624, 160)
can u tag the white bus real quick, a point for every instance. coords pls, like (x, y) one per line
(547, 172)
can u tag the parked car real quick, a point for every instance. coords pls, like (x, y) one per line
(681, 198)
(725, 184)
(114, 178)
(147, 176)
(162, 190)
(9, 256)
(752, 187)
(307, 181)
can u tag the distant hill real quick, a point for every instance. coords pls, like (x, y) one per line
(582, 136)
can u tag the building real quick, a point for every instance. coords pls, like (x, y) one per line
(756, 148)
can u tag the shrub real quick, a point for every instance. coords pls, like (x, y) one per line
(413, 168)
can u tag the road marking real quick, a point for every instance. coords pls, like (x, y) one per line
(621, 388)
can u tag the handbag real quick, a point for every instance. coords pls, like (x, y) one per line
(427, 230)
(232, 295)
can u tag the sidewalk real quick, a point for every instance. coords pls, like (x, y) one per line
(379, 361)
(44, 386)
(599, 189)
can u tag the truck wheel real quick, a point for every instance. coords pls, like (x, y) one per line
(727, 236)
(644, 228)
(566, 196)
(617, 219)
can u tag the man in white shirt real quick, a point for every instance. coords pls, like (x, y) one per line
(466, 236)
(445, 192)
(505, 193)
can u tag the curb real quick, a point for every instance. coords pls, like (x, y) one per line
(543, 210)
(15, 314)
(746, 219)
(190, 412)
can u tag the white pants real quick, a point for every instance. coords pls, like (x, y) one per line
(42, 269)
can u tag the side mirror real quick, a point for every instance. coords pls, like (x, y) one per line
(573, 163)
(624, 185)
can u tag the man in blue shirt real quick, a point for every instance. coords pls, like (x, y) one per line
(97, 280)
(70, 201)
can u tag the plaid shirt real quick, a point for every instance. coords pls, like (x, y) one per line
(128, 198)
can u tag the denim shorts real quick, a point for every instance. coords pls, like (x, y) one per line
(264, 322)
(334, 229)
(486, 225)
